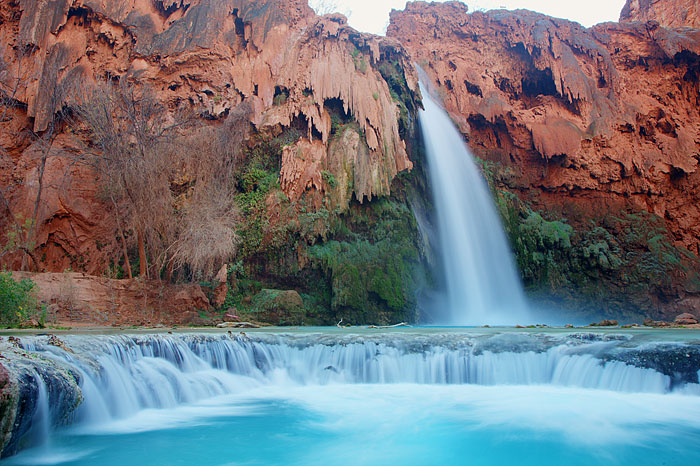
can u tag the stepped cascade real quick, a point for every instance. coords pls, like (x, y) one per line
(117, 388)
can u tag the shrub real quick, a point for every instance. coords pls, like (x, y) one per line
(18, 301)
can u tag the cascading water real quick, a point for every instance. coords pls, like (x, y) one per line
(483, 286)
(160, 397)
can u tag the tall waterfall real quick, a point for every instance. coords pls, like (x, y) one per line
(483, 286)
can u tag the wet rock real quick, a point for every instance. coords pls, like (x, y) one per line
(22, 378)
(680, 362)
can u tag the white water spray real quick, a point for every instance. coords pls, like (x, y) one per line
(483, 285)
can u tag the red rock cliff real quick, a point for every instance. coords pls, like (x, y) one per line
(668, 13)
(598, 118)
(211, 55)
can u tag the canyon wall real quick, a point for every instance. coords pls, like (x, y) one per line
(329, 112)
(590, 139)
(668, 13)
(590, 136)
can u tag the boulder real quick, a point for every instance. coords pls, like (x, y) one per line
(278, 307)
(605, 323)
(237, 325)
(685, 319)
(21, 375)
(656, 323)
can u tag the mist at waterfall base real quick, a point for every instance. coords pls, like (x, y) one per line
(401, 398)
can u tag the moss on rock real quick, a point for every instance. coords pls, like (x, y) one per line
(279, 307)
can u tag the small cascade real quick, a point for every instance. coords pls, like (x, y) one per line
(41, 421)
(483, 285)
(124, 379)
(122, 375)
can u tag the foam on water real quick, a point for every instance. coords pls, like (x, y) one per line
(412, 424)
(551, 390)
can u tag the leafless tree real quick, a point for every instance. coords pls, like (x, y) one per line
(207, 237)
(130, 130)
(172, 187)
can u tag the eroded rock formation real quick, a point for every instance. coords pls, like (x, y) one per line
(296, 71)
(582, 122)
(668, 13)
(74, 298)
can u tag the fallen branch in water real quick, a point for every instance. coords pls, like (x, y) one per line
(401, 324)
(343, 326)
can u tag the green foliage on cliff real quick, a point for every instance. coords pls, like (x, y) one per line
(362, 265)
(18, 301)
(618, 263)
(255, 180)
(393, 74)
(371, 267)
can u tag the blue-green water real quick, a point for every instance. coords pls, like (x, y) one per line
(419, 397)
(404, 424)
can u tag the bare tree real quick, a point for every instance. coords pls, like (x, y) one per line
(130, 130)
(206, 237)
(174, 190)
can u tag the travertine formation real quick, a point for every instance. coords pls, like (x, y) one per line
(204, 55)
(590, 120)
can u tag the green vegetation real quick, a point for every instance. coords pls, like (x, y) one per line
(362, 265)
(392, 72)
(329, 178)
(18, 301)
(359, 60)
(610, 264)
(371, 268)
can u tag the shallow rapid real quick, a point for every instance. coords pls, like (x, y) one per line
(262, 398)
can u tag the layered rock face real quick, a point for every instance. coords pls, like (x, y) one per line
(582, 124)
(295, 70)
(668, 13)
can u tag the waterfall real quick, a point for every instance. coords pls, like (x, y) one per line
(121, 376)
(134, 383)
(483, 285)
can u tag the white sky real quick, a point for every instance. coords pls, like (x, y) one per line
(373, 15)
